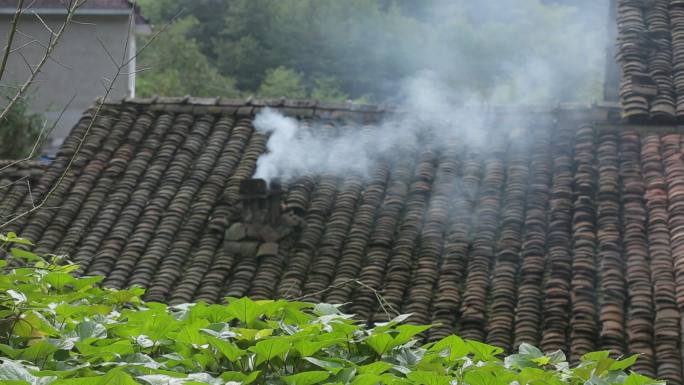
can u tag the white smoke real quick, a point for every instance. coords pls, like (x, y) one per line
(436, 109)
(429, 118)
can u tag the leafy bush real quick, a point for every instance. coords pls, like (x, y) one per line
(19, 131)
(282, 82)
(61, 330)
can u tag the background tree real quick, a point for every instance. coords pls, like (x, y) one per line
(178, 67)
(19, 131)
(282, 82)
(501, 51)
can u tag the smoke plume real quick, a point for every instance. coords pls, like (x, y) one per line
(474, 56)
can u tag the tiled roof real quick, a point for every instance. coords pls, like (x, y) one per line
(569, 236)
(17, 178)
(651, 57)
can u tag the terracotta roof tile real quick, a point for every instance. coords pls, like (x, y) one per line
(17, 178)
(569, 237)
(650, 49)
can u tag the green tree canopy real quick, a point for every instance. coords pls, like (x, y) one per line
(499, 50)
(19, 132)
(176, 66)
(282, 82)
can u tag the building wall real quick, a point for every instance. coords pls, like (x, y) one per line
(80, 64)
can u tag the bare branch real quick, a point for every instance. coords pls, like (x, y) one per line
(109, 54)
(10, 38)
(30, 67)
(136, 71)
(78, 22)
(44, 23)
(29, 36)
(24, 46)
(384, 304)
(28, 185)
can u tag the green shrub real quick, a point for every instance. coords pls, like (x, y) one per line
(61, 330)
(19, 131)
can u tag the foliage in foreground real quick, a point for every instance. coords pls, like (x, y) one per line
(60, 330)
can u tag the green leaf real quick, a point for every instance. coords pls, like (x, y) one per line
(13, 371)
(378, 367)
(13, 238)
(78, 381)
(244, 309)
(484, 352)
(557, 357)
(190, 334)
(596, 356)
(381, 343)
(268, 349)
(406, 332)
(332, 366)
(638, 379)
(624, 363)
(58, 280)
(530, 350)
(542, 361)
(322, 309)
(117, 377)
(457, 347)
(366, 379)
(382, 327)
(422, 377)
(306, 378)
(82, 283)
(108, 348)
(228, 349)
(18, 297)
(88, 329)
(308, 348)
(24, 255)
(245, 379)
(163, 379)
(38, 352)
(8, 351)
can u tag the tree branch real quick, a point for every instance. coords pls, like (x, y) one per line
(10, 38)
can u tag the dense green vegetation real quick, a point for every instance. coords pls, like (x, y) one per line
(19, 132)
(329, 49)
(61, 330)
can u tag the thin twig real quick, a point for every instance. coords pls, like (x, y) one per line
(10, 38)
(24, 46)
(44, 23)
(10, 184)
(109, 54)
(28, 185)
(384, 304)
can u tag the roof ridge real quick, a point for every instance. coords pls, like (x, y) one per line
(254, 102)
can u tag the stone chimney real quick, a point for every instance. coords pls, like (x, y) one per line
(263, 222)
